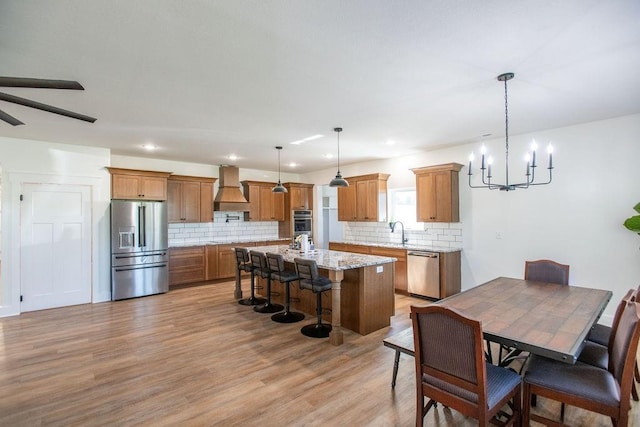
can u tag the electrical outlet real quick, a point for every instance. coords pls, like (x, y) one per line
(498, 235)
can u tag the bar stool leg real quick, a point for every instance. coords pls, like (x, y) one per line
(252, 300)
(287, 316)
(318, 329)
(267, 307)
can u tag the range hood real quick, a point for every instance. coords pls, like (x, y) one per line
(230, 197)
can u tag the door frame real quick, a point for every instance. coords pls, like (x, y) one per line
(11, 287)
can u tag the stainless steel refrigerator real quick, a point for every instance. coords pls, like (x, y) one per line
(139, 255)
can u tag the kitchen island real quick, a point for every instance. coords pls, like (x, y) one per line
(362, 293)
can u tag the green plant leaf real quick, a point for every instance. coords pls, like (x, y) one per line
(633, 223)
(637, 207)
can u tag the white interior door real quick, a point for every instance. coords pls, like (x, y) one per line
(55, 245)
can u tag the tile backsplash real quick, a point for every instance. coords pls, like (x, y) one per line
(433, 234)
(221, 231)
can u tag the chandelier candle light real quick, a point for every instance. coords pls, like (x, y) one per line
(530, 157)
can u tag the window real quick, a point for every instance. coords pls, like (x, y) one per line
(402, 207)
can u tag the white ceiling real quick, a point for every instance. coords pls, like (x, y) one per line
(205, 79)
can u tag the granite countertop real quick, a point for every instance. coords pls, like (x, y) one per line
(330, 260)
(407, 246)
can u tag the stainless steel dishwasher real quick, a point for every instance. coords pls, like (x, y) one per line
(423, 273)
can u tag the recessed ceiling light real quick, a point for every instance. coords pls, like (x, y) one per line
(328, 156)
(149, 147)
(233, 157)
(293, 165)
(307, 139)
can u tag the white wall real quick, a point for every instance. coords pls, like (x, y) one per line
(576, 220)
(36, 161)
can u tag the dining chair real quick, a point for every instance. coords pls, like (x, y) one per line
(596, 351)
(545, 270)
(451, 369)
(603, 391)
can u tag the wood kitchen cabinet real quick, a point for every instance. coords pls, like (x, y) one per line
(264, 205)
(186, 265)
(298, 197)
(450, 273)
(135, 184)
(400, 267)
(437, 193)
(211, 264)
(365, 199)
(347, 203)
(190, 199)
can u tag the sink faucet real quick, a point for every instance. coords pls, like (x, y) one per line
(392, 226)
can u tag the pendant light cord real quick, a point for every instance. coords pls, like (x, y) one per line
(338, 151)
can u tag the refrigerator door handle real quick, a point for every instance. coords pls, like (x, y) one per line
(142, 240)
(146, 254)
(140, 268)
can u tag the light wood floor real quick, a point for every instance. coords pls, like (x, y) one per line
(194, 356)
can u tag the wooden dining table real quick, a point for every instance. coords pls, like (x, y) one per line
(546, 319)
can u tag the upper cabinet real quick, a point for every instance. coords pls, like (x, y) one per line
(437, 193)
(134, 184)
(190, 199)
(299, 196)
(365, 199)
(264, 205)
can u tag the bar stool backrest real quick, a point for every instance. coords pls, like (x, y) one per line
(242, 256)
(259, 262)
(307, 268)
(276, 262)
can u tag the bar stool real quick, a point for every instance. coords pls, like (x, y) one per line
(261, 268)
(310, 279)
(243, 264)
(278, 272)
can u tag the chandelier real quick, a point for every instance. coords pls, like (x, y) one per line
(485, 166)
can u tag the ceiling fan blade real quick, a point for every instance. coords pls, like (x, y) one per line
(44, 107)
(39, 83)
(9, 119)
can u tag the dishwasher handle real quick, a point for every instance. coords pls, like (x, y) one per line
(424, 254)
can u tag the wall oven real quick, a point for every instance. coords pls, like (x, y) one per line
(302, 222)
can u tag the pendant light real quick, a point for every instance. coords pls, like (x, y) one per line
(279, 188)
(338, 181)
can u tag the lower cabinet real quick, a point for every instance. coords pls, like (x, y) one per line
(401, 265)
(450, 274)
(227, 261)
(449, 266)
(186, 265)
(209, 262)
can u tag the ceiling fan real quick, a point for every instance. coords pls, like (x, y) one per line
(38, 84)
